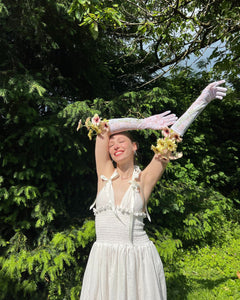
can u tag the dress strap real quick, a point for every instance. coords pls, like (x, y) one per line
(109, 190)
(93, 204)
(134, 188)
(146, 208)
(136, 174)
(108, 182)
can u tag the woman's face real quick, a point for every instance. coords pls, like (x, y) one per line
(121, 148)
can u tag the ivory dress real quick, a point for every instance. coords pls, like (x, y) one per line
(123, 263)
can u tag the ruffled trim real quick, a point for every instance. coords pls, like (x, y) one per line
(120, 209)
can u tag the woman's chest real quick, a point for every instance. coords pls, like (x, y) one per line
(119, 191)
(121, 194)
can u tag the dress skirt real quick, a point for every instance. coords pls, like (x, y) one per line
(124, 272)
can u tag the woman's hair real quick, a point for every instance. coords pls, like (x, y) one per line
(131, 138)
(127, 134)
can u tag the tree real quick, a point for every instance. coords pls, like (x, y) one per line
(52, 73)
(155, 36)
(37, 151)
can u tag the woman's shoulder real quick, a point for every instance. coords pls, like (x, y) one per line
(108, 174)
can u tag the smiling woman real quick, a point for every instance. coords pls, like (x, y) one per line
(119, 144)
(123, 263)
(123, 259)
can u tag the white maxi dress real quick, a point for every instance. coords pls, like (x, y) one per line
(123, 263)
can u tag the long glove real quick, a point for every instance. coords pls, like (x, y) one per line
(155, 122)
(212, 91)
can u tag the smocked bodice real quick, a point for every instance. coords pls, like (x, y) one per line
(124, 222)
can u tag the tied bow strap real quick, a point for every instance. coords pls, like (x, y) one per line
(109, 190)
(136, 173)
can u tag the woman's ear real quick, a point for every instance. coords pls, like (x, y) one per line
(135, 146)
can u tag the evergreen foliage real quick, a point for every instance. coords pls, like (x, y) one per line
(53, 72)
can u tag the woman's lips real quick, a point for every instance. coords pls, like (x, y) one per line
(117, 153)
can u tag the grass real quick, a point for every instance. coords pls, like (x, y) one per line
(206, 274)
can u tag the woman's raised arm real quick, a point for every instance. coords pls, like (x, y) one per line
(152, 173)
(155, 169)
(103, 160)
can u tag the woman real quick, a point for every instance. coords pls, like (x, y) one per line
(123, 263)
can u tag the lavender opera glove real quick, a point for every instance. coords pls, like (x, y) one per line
(212, 91)
(154, 122)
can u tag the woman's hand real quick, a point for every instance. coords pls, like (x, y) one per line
(160, 121)
(213, 91)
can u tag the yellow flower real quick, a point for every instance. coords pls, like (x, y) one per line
(166, 146)
(160, 148)
(88, 123)
(171, 145)
(90, 134)
(160, 142)
(94, 125)
(154, 149)
(98, 130)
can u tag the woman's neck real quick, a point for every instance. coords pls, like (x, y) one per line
(125, 171)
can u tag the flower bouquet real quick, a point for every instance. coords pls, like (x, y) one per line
(166, 147)
(94, 125)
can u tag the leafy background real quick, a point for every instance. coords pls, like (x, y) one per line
(63, 60)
